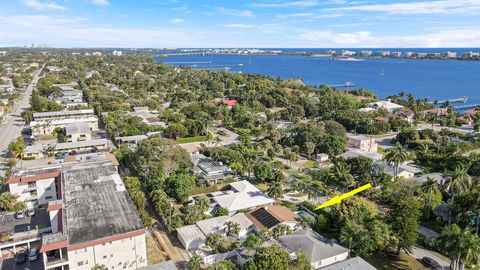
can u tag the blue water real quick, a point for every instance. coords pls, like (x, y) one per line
(433, 79)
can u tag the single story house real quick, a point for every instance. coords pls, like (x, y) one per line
(208, 170)
(355, 263)
(271, 216)
(191, 237)
(320, 250)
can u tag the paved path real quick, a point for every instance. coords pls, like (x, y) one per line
(13, 124)
(419, 253)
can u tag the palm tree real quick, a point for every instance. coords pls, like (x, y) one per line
(280, 230)
(99, 267)
(462, 246)
(214, 241)
(253, 242)
(396, 156)
(459, 182)
(195, 263)
(232, 228)
(276, 190)
(347, 234)
(340, 173)
(429, 187)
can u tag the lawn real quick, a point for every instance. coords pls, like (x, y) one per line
(405, 262)
(310, 164)
(191, 139)
(262, 187)
(154, 254)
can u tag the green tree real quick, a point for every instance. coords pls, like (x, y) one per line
(271, 257)
(221, 211)
(99, 267)
(430, 186)
(275, 190)
(192, 214)
(253, 242)
(161, 202)
(10, 202)
(214, 241)
(178, 186)
(195, 263)
(394, 157)
(224, 265)
(232, 228)
(459, 182)
(461, 246)
(263, 172)
(280, 230)
(203, 202)
(404, 219)
(302, 262)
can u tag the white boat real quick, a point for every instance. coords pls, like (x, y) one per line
(382, 73)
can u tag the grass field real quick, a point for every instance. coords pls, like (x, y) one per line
(191, 139)
(405, 262)
(154, 254)
(310, 164)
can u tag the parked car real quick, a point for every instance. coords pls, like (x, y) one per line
(20, 215)
(431, 263)
(21, 257)
(31, 212)
(61, 155)
(33, 255)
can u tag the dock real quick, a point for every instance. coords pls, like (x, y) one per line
(467, 106)
(454, 100)
(346, 84)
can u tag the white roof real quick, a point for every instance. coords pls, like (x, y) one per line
(190, 233)
(385, 104)
(359, 137)
(63, 113)
(243, 196)
(352, 153)
(63, 121)
(81, 144)
(212, 225)
(77, 127)
(355, 263)
(242, 220)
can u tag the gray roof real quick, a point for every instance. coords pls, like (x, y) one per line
(313, 245)
(97, 204)
(167, 265)
(77, 127)
(355, 263)
(80, 144)
(64, 113)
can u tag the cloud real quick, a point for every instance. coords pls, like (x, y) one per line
(100, 2)
(176, 20)
(289, 4)
(296, 15)
(35, 4)
(235, 12)
(423, 7)
(447, 37)
(38, 21)
(240, 25)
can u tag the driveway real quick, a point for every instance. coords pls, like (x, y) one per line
(419, 253)
(9, 264)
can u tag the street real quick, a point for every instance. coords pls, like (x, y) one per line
(13, 124)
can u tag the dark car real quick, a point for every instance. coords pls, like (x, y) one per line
(21, 257)
(61, 155)
(33, 255)
(431, 263)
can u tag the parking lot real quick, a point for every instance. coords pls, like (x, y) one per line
(9, 264)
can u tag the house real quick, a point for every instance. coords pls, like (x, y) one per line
(466, 120)
(242, 195)
(322, 157)
(472, 112)
(355, 263)
(405, 170)
(405, 114)
(271, 216)
(149, 117)
(77, 132)
(440, 178)
(363, 143)
(191, 237)
(283, 124)
(382, 104)
(439, 112)
(209, 170)
(353, 153)
(320, 250)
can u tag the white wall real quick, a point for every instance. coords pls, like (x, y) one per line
(329, 261)
(46, 191)
(130, 252)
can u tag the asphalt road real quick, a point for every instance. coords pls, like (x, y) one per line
(13, 124)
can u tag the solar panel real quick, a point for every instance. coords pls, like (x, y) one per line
(265, 218)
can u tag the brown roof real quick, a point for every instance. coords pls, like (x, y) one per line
(382, 118)
(471, 112)
(278, 212)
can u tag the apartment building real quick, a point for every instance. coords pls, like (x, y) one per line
(45, 123)
(97, 222)
(35, 187)
(77, 132)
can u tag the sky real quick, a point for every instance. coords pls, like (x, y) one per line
(246, 23)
